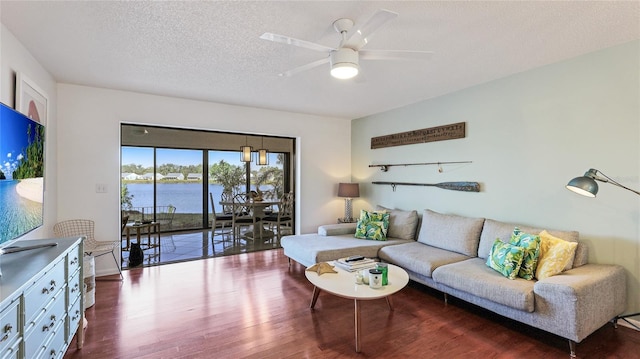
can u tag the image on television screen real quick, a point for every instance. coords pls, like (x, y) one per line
(21, 174)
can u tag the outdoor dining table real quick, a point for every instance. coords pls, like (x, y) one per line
(257, 210)
(151, 229)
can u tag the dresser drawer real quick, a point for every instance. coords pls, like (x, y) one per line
(73, 261)
(12, 351)
(73, 318)
(42, 330)
(37, 297)
(9, 325)
(56, 347)
(73, 288)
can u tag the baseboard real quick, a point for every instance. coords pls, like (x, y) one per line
(625, 324)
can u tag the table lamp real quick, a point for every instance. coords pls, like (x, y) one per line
(587, 186)
(348, 191)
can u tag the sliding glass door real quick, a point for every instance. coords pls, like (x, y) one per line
(179, 188)
(172, 185)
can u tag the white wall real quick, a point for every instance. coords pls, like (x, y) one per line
(15, 58)
(527, 136)
(89, 151)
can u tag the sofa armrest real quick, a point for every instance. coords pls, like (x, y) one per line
(337, 229)
(587, 297)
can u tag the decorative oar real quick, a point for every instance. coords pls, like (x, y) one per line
(453, 186)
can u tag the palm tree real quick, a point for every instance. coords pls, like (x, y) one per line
(269, 176)
(227, 175)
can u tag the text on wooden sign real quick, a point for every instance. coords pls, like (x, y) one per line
(431, 134)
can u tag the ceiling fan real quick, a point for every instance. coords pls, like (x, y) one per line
(344, 60)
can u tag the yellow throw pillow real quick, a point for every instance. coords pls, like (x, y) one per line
(555, 255)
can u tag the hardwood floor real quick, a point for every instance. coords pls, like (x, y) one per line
(254, 306)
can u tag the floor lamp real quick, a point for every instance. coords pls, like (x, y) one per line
(587, 186)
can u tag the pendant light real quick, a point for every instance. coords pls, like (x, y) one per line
(245, 151)
(263, 156)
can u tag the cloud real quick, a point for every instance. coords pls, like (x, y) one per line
(20, 157)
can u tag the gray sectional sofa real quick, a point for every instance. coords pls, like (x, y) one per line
(449, 253)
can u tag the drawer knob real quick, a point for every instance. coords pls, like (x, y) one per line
(50, 289)
(46, 328)
(7, 330)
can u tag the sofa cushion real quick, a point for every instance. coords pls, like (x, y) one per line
(531, 245)
(451, 232)
(495, 229)
(372, 225)
(309, 249)
(419, 258)
(555, 255)
(337, 229)
(402, 224)
(474, 277)
(505, 258)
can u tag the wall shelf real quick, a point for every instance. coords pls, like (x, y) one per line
(453, 186)
(385, 167)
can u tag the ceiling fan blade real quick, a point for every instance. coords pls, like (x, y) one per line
(306, 67)
(358, 36)
(395, 55)
(295, 42)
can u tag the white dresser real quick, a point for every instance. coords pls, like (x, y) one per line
(41, 299)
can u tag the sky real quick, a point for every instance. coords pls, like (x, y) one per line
(144, 156)
(13, 139)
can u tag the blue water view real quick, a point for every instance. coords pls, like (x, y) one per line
(19, 214)
(185, 197)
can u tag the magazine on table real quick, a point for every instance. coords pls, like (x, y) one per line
(352, 265)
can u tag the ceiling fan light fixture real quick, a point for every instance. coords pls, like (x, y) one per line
(344, 63)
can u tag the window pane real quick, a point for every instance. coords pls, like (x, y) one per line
(269, 179)
(179, 188)
(136, 195)
(226, 173)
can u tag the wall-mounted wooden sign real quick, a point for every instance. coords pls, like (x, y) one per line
(432, 134)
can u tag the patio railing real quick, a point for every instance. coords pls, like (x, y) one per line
(162, 214)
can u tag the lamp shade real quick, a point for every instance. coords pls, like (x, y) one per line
(584, 185)
(262, 159)
(348, 190)
(245, 153)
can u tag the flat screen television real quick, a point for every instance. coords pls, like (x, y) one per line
(21, 175)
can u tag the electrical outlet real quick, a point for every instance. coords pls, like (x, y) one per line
(101, 188)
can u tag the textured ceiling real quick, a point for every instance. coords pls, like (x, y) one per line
(211, 50)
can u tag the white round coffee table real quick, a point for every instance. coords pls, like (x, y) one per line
(343, 284)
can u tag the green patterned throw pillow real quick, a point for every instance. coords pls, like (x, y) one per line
(505, 258)
(531, 245)
(373, 225)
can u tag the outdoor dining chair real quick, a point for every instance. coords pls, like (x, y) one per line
(283, 217)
